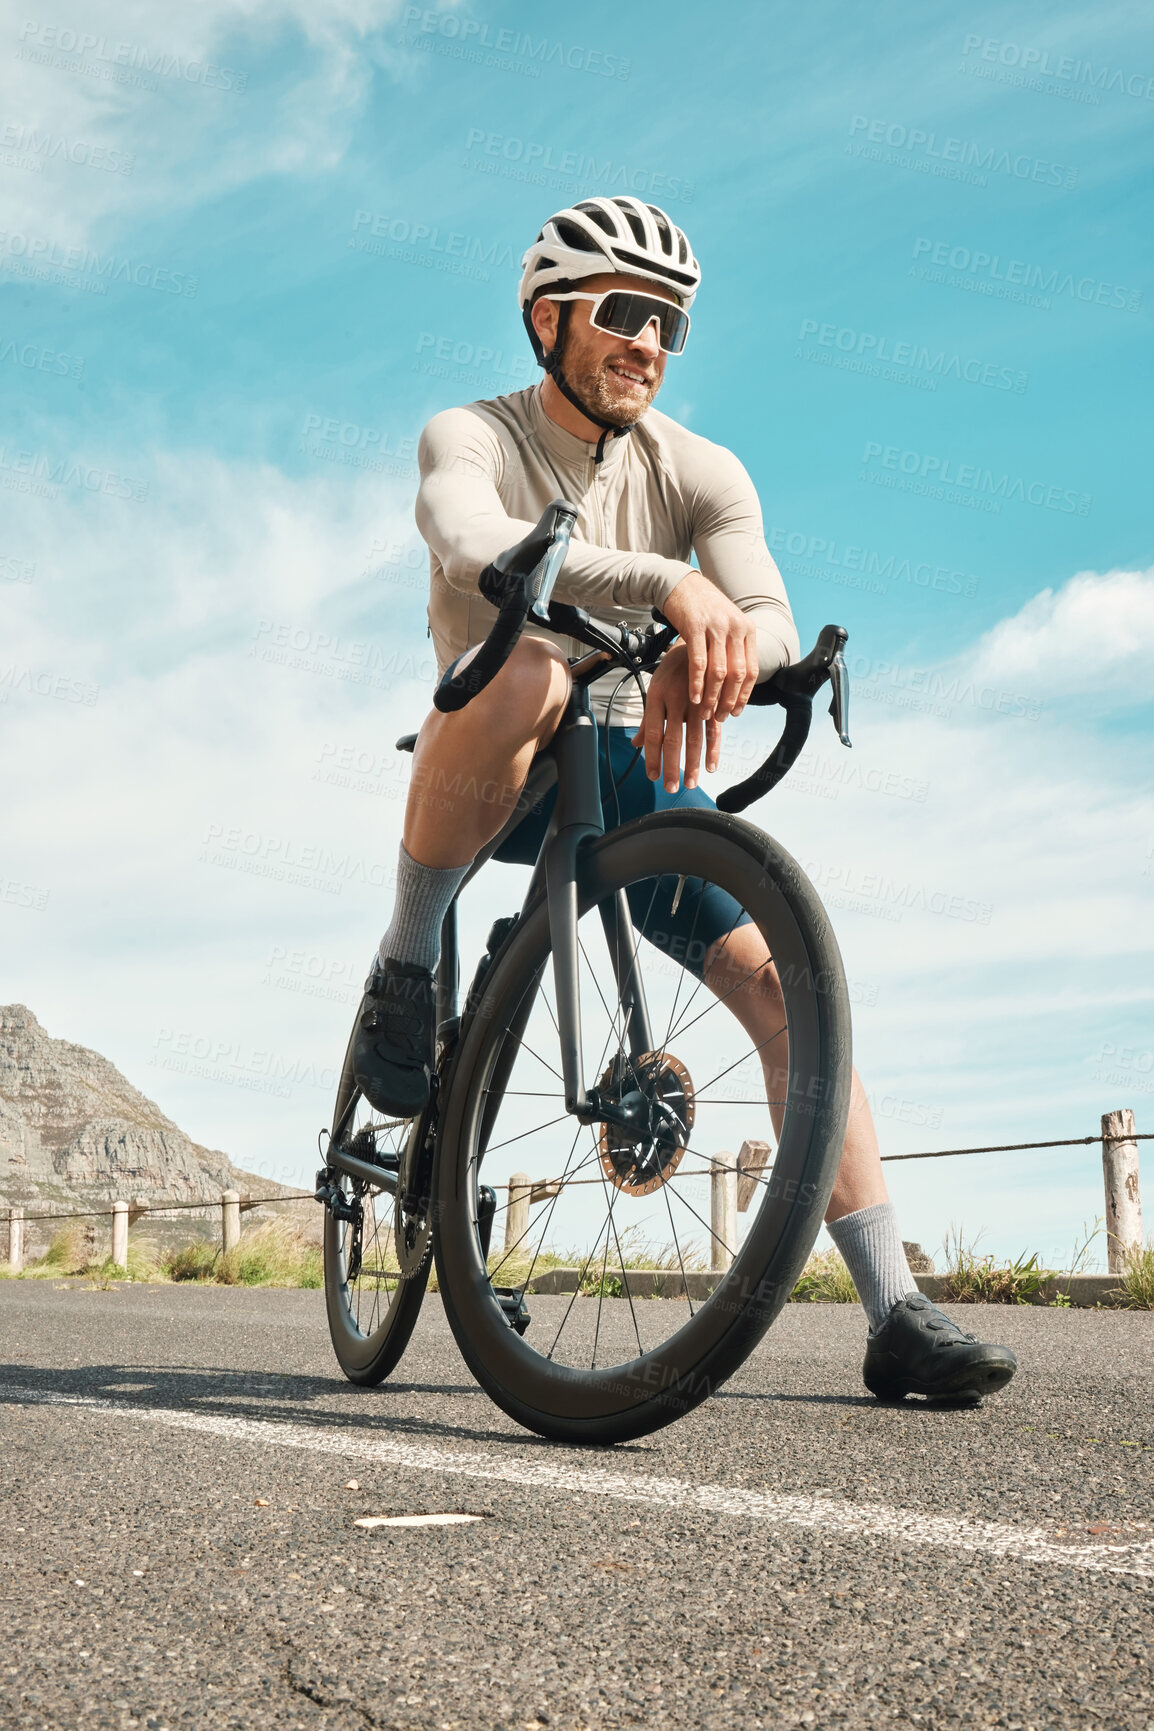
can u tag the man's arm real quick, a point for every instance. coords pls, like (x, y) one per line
(461, 517)
(729, 541)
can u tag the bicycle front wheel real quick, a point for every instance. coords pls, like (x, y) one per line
(376, 1268)
(621, 1289)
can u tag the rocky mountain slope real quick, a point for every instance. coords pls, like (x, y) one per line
(73, 1130)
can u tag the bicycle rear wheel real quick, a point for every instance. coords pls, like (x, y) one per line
(376, 1268)
(617, 1215)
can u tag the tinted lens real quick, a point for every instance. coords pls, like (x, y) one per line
(625, 313)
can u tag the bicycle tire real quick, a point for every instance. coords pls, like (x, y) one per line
(637, 1396)
(368, 1355)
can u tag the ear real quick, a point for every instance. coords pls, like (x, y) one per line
(544, 315)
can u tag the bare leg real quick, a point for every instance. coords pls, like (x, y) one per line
(469, 767)
(738, 968)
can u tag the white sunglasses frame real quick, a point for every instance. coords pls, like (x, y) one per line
(577, 295)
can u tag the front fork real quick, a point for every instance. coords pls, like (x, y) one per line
(576, 819)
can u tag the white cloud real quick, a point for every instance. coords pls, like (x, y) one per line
(186, 98)
(216, 831)
(1095, 633)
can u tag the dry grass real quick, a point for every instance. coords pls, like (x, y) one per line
(67, 1253)
(275, 1254)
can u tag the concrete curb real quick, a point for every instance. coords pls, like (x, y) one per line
(1085, 1291)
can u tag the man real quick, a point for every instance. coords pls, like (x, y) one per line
(605, 294)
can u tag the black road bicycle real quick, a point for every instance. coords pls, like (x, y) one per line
(591, 1059)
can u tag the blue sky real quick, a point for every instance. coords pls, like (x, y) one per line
(247, 250)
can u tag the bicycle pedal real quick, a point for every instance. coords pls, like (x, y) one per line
(512, 1302)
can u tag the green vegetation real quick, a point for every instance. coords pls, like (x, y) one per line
(275, 1254)
(825, 1279)
(1138, 1277)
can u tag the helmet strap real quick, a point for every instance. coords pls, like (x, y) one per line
(552, 365)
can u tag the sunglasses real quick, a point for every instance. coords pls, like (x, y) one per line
(626, 313)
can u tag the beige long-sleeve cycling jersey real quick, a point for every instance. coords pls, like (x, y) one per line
(660, 494)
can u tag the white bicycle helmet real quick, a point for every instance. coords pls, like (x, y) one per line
(609, 234)
(602, 234)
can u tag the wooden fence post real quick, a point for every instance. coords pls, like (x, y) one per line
(722, 1211)
(120, 1235)
(1123, 1196)
(517, 1213)
(16, 1240)
(229, 1220)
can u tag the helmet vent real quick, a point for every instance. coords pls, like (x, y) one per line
(575, 237)
(596, 214)
(632, 219)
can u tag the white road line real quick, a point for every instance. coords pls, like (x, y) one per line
(839, 1519)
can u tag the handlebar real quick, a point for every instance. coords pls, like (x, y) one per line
(519, 583)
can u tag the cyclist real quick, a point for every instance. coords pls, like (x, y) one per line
(605, 296)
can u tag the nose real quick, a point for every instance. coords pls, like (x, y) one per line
(647, 341)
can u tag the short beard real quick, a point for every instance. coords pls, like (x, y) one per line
(599, 391)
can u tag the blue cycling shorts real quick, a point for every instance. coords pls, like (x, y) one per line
(704, 912)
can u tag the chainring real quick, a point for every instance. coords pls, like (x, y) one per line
(639, 1164)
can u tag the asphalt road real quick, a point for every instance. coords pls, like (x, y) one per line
(179, 1547)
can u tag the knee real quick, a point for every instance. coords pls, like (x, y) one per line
(535, 681)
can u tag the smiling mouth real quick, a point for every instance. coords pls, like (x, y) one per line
(629, 376)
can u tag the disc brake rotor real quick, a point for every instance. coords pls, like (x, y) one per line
(639, 1162)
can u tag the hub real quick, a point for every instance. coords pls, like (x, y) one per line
(644, 1143)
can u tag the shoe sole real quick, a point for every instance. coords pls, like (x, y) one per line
(973, 1384)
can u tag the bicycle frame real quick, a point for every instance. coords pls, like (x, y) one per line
(570, 760)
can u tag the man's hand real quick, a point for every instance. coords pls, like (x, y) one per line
(670, 718)
(721, 643)
(703, 680)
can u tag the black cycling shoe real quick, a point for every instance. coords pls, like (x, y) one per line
(393, 1052)
(917, 1350)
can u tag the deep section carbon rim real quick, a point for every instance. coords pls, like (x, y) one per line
(614, 1236)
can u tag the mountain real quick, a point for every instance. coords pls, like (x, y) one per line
(73, 1130)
